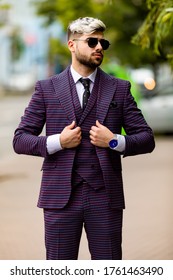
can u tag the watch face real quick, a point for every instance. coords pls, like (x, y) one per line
(113, 143)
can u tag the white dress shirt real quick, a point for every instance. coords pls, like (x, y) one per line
(53, 141)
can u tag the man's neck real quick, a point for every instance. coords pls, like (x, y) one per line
(83, 70)
(76, 75)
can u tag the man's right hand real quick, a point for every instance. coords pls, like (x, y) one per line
(71, 136)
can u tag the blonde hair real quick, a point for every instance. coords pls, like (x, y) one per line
(84, 25)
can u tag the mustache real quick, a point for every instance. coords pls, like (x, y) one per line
(98, 52)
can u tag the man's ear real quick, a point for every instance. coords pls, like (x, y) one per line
(71, 45)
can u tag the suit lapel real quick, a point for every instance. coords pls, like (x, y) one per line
(63, 91)
(101, 96)
(103, 91)
(106, 90)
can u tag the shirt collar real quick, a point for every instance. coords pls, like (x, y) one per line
(76, 76)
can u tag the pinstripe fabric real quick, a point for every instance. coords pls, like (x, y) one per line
(63, 227)
(52, 103)
(67, 208)
(86, 152)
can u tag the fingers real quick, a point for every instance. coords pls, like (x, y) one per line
(98, 124)
(94, 132)
(70, 136)
(95, 128)
(100, 135)
(72, 125)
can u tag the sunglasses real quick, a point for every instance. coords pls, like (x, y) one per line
(92, 42)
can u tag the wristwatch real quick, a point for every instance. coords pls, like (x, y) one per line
(113, 143)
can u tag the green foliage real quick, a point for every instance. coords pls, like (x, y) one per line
(17, 45)
(62, 11)
(156, 31)
(122, 17)
(57, 51)
(4, 6)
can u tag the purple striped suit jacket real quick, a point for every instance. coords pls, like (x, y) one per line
(51, 104)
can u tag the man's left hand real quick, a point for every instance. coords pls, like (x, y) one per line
(100, 135)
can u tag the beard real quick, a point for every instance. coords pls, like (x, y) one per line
(91, 62)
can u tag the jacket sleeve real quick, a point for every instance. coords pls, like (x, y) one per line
(27, 139)
(139, 136)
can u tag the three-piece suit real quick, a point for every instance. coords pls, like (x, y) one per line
(86, 168)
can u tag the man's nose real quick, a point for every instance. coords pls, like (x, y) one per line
(99, 45)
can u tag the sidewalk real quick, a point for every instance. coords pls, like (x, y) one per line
(148, 227)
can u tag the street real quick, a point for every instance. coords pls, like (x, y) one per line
(148, 186)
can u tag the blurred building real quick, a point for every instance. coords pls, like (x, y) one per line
(24, 45)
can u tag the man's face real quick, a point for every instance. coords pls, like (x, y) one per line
(90, 56)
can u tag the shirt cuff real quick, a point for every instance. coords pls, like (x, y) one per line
(53, 144)
(121, 143)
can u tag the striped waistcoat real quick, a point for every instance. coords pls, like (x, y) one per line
(86, 164)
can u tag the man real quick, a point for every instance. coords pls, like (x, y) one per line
(82, 180)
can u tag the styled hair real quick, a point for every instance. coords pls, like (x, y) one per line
(84, 25)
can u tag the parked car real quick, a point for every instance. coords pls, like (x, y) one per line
(145, 79)
(158, 109)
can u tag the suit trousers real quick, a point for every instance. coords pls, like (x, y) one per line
(89, 208)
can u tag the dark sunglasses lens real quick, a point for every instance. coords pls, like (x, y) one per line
(92, 42)
(105, 44)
